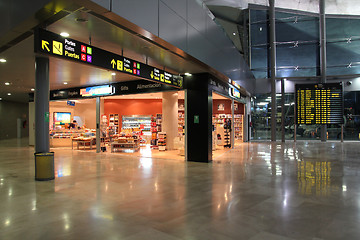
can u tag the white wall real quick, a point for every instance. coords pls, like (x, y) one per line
(86, 109)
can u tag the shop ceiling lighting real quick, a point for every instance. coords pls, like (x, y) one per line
(65, 83)
(188, 74)
(2, 60)
(0, 98)
(33, 89)
(64, 34)
(113, 74)
(9, 94)
(234, 33)
(7, 83)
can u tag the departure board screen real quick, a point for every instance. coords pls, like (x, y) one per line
(319, 103)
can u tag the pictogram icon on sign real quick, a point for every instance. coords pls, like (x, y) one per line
(57, 48)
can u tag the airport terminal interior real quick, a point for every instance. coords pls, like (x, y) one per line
(187, 119)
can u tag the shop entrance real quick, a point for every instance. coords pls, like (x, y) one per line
(144, 125)
(227, 124)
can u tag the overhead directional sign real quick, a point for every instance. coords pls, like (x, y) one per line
(53, 44)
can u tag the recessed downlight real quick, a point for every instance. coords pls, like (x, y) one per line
(9, 94)
(3, 60)
(7, 83)
(0, 98)
(234, 33)
(65, 83)
(33, 89)
(113, 74)
(64, 34)
(187, 74)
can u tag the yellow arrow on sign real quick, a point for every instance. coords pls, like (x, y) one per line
(152, 74)
(44, 44)
(113, 63)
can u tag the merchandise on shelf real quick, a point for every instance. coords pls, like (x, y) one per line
(137, 122)
(161, 141)
(181, 123)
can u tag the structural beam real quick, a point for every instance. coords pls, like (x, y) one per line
(273, 68)
(322, 25)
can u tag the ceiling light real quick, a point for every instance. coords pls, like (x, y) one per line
(64, 34)
(9, 94)
(234, 33)
(65, 83)
(2, 60)
(0, 98)
(113, 74)
(188, 74)
(33, 89)
(7, 83)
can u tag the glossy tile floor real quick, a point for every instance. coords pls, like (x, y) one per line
(307, 190)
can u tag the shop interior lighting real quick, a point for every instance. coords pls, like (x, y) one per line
(234, 33)
(65, 83)
(3, 60)
(0, 98)
(7, 83)
(113, 74)
(188, 74)
(64, 34)
(9, 94)
(33, 89)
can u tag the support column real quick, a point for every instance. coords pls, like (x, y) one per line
(322, 25)
(198, 118)
(170, 118)
(232, 137)
(97, 124)
(273, 68)
(42, 96)
(282, 110)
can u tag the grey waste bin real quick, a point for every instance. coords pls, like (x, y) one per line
(44, 166)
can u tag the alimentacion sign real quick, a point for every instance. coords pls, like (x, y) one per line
(55, 45)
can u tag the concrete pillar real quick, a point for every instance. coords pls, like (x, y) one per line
(31, 123)
(273, 68)
(322, 25)
(170, 117)
(42, 96)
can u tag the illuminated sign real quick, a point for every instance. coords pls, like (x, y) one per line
(235, 84)
(70, 103)
(53, 44)
(235, 93)
(319, 103)
(97, 91)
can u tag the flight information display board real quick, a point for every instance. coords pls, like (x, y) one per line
(55, 45)
(319, 103)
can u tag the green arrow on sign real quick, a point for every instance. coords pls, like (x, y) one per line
(113, 63)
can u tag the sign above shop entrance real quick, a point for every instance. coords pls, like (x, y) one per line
(53, 44)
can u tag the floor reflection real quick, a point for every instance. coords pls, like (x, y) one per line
(303, 190)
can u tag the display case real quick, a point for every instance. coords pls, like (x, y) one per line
(238, 126)
(141, 122)
(62, 137)
(161, 141)
(114, 122)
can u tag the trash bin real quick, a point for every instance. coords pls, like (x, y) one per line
(44, 166)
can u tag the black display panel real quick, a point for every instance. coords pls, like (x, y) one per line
(55, 45)
(319, 103)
